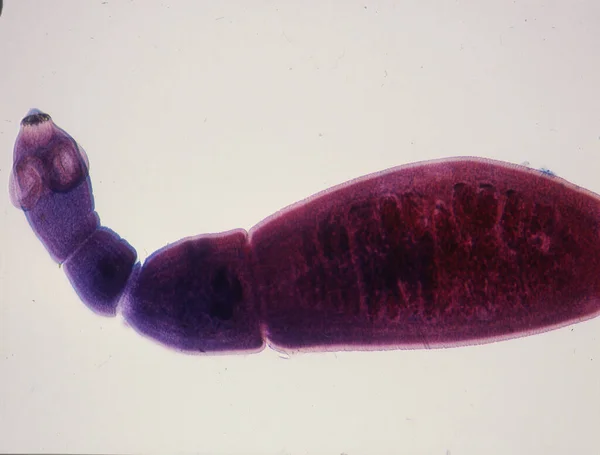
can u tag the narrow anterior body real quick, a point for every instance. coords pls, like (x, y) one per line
(434, 254)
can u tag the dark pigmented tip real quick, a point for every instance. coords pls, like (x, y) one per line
(35, 119)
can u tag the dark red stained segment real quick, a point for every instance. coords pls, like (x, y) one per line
(435, 254)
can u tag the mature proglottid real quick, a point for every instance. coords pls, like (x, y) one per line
(435, 254)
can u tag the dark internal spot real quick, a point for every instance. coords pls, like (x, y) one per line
(391, 220)
(487, 207)
(513, 217)
(445, 229)
(543, 219)
(107, 269)
(464, 205)
(369, 248)
(333, 237)
(309, 249)
(226, 293)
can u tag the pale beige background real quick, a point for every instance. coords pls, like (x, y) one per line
(206, 116)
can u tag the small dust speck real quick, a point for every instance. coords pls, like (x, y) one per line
(105, 362)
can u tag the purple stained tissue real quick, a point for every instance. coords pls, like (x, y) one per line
(434, 254)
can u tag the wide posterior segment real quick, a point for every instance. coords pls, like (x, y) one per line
(485, 252)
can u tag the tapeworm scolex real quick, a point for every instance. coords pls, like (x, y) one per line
(436, 254)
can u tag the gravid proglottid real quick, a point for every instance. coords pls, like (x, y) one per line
(434, 254)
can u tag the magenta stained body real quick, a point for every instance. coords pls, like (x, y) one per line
(436, 254)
